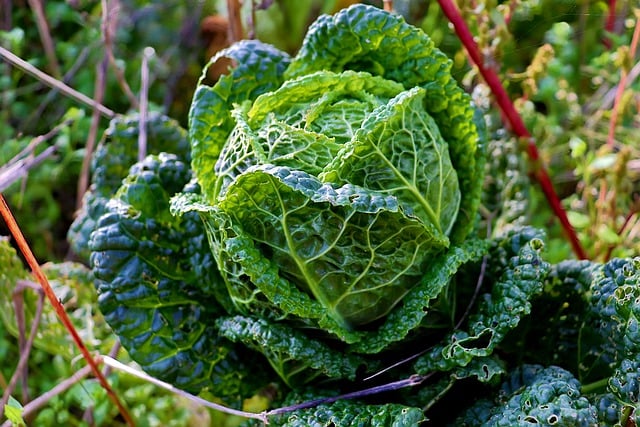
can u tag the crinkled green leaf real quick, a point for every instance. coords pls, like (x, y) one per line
(365, 38)
(354, 250)
(625, 382)
(265, 293)
(498, 312)
(399, 151)
(416, 304)
(151, 290)
(614, 311)
(346, 413)
(303, 124)
(567, 335)
(297, 358)
(243, 259)
(487, 370)
(535, 395)
(116, 153)
(259, 68)
(609, 409)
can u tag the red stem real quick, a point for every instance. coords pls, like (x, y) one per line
(59, 309)
(515, 120)
(610, 23)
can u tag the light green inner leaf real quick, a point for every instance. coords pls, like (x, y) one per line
(355, 250)
(399, 151)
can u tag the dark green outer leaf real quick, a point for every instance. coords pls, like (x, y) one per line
(259, 69)
(535, 395)
(149, 292)
(115, 154)
(497, 312)
(365, 38)
(297, 358)
(615, 310)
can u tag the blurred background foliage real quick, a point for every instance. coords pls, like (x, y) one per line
(561, 61)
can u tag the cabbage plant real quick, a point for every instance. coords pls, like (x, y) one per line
(325, 225)
(348, 169)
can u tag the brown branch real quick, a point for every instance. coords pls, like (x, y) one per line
(45, 37)
(18, 62)
(235, 21)
(62, 315)
(110, 9)
(20, 168)
(85, 171)
(539, 172)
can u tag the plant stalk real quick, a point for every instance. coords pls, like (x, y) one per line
(13, 227)
(539, 172)
(20, 63)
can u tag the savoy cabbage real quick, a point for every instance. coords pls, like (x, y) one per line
(320, 236)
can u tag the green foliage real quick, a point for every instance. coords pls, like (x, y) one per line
(534, 395)
(116, 153)
(346, 413)
(72, 284)
(13, 412)
(146, 263)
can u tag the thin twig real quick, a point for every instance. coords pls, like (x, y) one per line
(13, 227)
(398, 363)
(5, 15)
(45, 398)
(610, 23)
(147, 53)
(109, 361)
(539, 172)
(110, 9)
(623, 82)
(25, 346)
(67, 79)
(604, 97)
(106, 371)
(476, 292)
(85, 171)
(54, 83)
(45, 37)
(235, 21)
(15, 171)
(413, 380)
(24, 161)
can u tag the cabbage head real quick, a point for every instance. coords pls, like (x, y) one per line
(325, 222)
(347, 170)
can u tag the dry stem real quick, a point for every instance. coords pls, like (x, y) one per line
(18, 62)
(45, 37)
